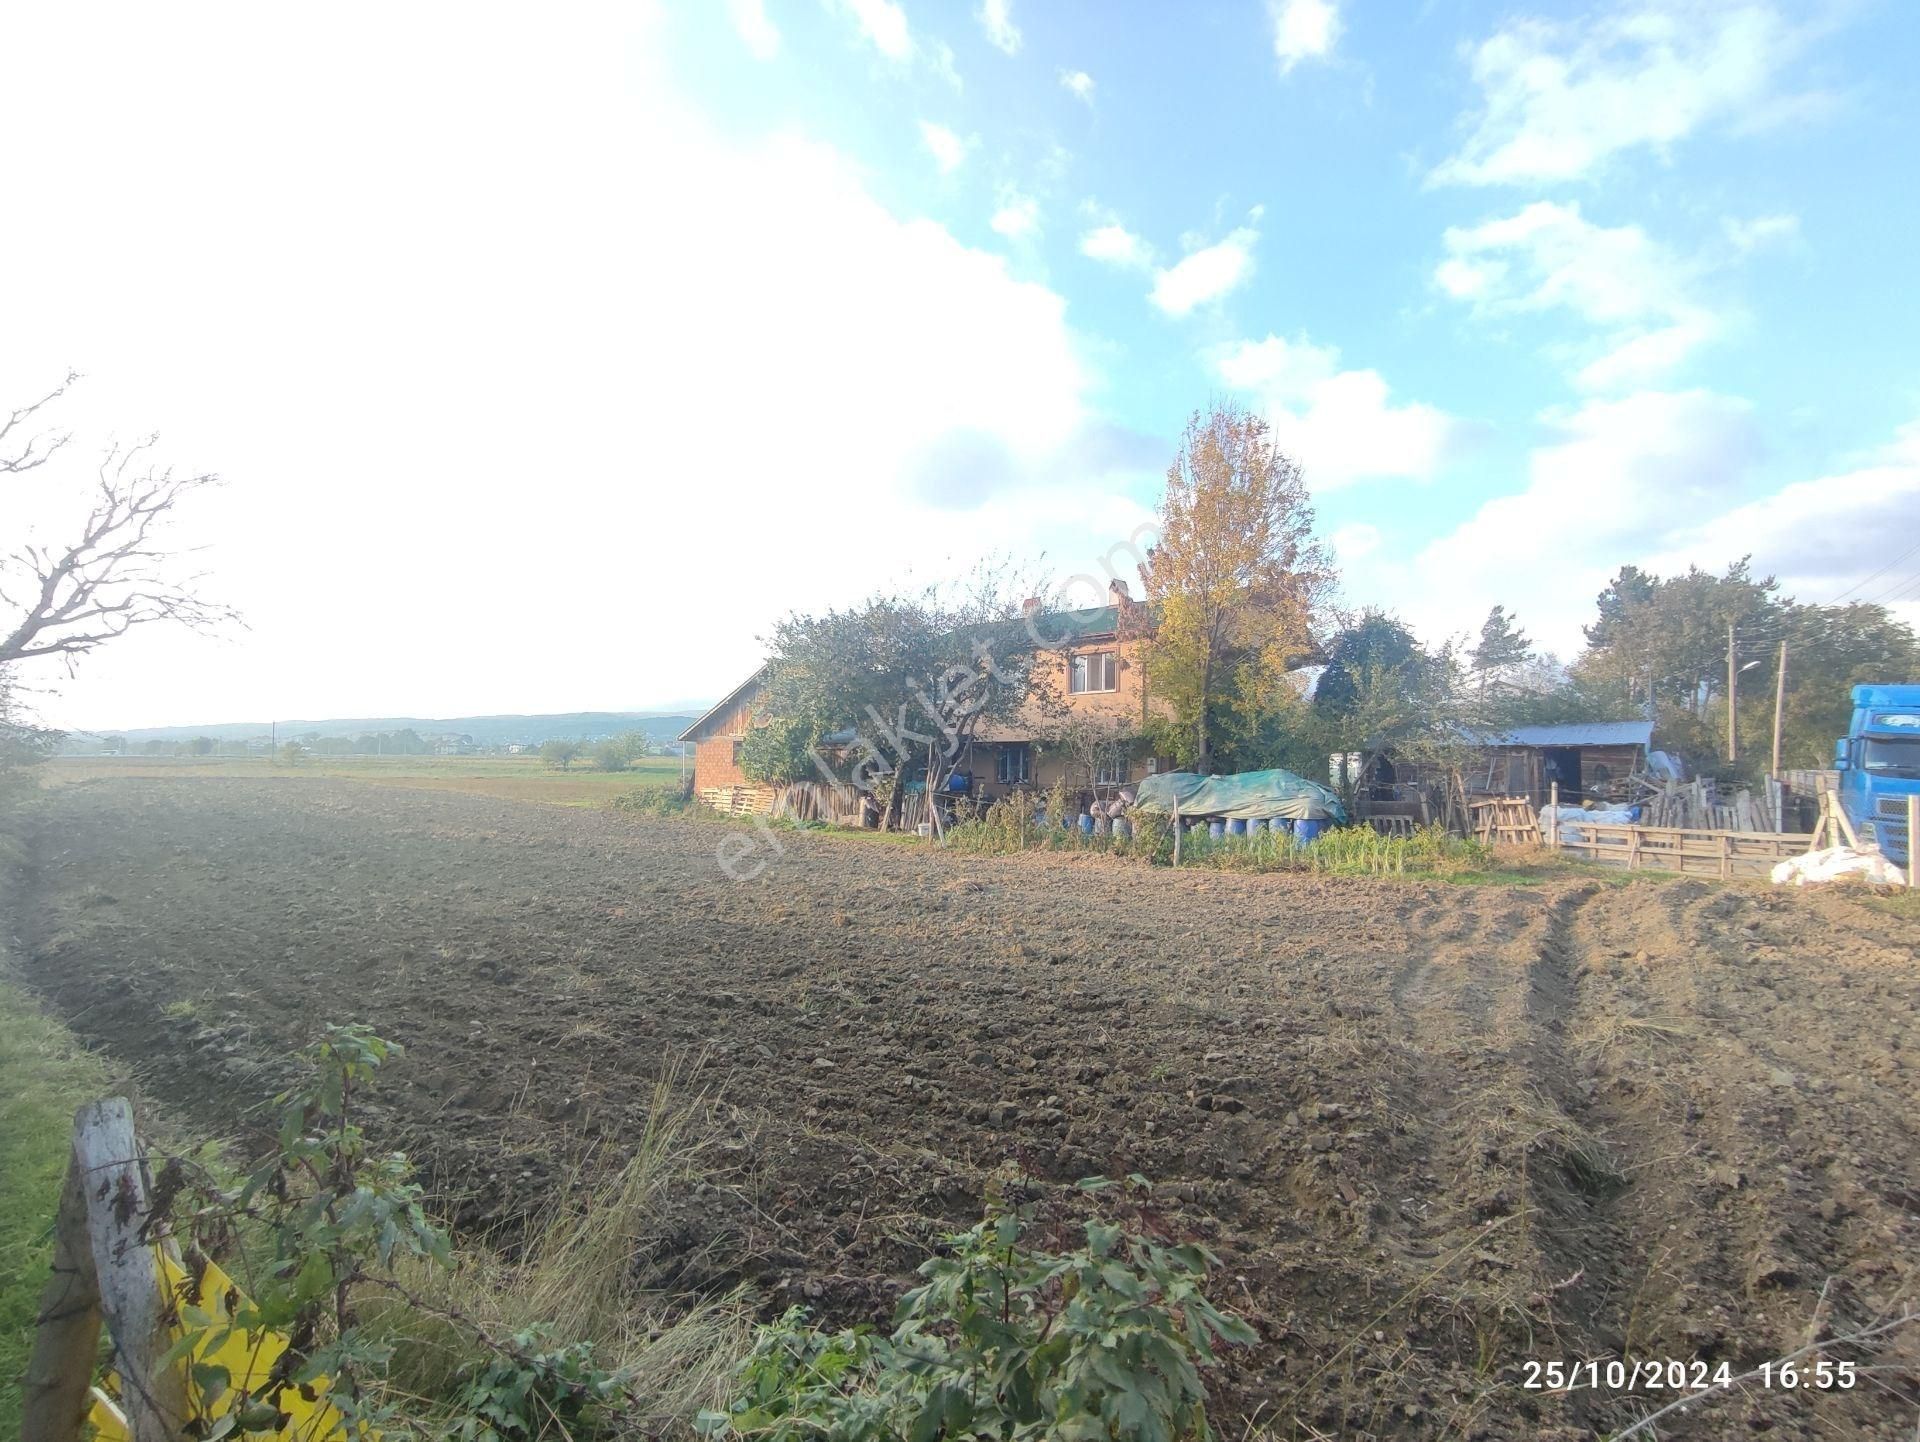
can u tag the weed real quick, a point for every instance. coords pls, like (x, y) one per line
(1003, 1340)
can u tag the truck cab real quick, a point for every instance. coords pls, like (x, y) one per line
(1879, 765)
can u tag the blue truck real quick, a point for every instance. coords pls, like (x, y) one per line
(1879, 765)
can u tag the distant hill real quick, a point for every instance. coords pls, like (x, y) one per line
(485, 730)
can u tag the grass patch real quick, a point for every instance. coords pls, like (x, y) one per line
(1345, 851)
(512, 778)
(45, 1075)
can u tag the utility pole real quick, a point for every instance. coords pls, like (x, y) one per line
(1779, 707)
(1733, 697)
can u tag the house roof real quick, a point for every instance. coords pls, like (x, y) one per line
(723, 704)
(1574, 733)
(1054, 628)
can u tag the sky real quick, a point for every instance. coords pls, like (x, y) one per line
(549, 356)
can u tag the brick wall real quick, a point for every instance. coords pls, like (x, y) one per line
(713, 763)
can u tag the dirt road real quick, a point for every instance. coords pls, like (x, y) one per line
(1434, 1132)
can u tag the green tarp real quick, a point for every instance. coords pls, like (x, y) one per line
(1252, 795)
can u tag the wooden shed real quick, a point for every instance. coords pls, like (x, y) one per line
(1587, 760)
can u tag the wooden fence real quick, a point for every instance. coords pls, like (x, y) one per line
(1690, 851)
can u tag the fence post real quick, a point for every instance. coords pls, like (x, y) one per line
(53, 1402)
(1913, 840)
(1553, 815)
(126, 1269)
(1177, 828)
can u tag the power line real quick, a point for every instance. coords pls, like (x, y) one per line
(1894, 590)
(1881, 572)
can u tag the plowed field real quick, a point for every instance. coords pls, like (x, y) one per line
(1434, 1132)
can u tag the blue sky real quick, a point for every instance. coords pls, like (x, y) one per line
(697, 313)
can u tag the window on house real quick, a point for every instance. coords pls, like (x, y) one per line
(1014, 765)
(736, 751)
(1111, 773)
(1091, 671)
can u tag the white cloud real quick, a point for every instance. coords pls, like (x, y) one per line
(1819, 537)
(885, 24)
(1747, 236)
(1354, 541)
(1662, 480)
(1303, 30)
(522, 395)
(948, 150)
(1116, 245)
(1079, 83)
(1207, 274)
(1619, 477)
(942, 62)
(996, 18)
(749, 18)
(1339, 424)
(1560, 99)
(1017, 217)
(1548, 256)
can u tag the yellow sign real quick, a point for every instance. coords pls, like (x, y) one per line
(248, 1358)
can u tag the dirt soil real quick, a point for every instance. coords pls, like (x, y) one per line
(1433, 1132)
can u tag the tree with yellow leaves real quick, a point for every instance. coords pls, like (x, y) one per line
(1238, 578)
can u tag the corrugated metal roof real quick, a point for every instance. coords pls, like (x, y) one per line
(1575, 733)
(1057, 628)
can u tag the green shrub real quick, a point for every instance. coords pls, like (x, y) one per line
(674, 799)
(1106, 1341)
(611, 756)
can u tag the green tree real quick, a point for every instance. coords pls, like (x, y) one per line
(1501, 650)
(1374, 646)
(1237, 578)
(560, 754)
(901, 684)
(611, 755)
(1665, 639)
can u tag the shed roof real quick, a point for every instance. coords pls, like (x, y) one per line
(1574, 733)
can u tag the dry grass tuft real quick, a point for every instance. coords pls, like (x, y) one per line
(575, 1278)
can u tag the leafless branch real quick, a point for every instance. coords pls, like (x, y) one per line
(35, 449)
(119, 572)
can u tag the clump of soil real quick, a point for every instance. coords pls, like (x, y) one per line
(1434, 1133)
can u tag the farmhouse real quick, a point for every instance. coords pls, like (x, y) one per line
(1098, 674)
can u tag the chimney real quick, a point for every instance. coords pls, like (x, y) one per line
(1117, 594)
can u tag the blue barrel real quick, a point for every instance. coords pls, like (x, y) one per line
(1308, 827)
(1281, 824)
(1122, 828)
(1086, 824)
(1237, 826)
(1216, 829)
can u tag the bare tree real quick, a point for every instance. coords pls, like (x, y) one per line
(66, 599)
(35, 449)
